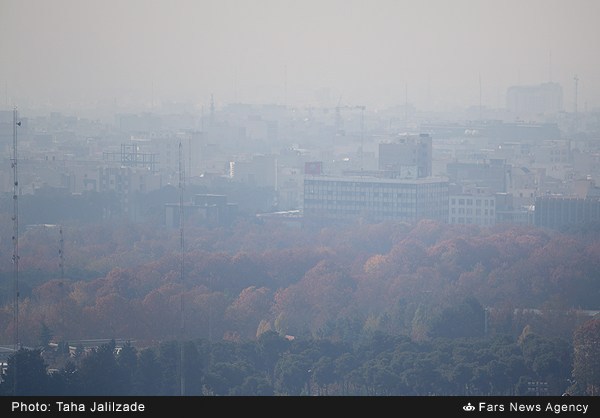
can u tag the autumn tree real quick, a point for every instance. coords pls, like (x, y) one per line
(246, 312)
(586, 365)
(465, 319)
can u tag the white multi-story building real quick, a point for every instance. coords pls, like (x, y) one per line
(375, 199)
(472, 209)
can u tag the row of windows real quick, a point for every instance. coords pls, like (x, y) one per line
(408, 202)
(361, 194)
(469, 202)
(378, 215)
(350, 213)
(333, 185)
(469, 211)
(433, 195)
(337, 204)
(364, 201)
(376, 193)
(468, 221)
(314, 188)
(437, 209)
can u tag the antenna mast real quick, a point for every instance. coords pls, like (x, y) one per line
(15, 240)
(480, 106)
(61, 253)
(576, 78)
(181, 243)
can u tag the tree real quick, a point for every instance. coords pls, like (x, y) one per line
(148, 374)
(466, 319)
(586, 365)
(25, 375)
(99, 372)
(192, 369)
(127, 364)
(256, 386)
(323, 373)
(271, 346)
(244, 314)
(224, 378)
(292, 374)
(169, 357)
(45, 335)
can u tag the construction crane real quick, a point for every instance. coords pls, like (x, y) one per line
(338, 116)
(339, 125)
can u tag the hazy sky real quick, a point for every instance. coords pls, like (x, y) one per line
(437, 54)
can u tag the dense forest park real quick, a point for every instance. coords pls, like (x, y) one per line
(263, 307)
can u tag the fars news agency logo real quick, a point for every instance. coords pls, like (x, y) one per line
(546, 407)
(468, 407)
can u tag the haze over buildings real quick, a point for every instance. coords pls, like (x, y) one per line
(151, 54)
(463, 111)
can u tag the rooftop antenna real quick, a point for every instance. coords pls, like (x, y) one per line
(338, 117)
(480, 107)
(152, 96)
(285, 86)
(576, 78)
(61, 253)
(202, 118)
(235, 84)
(550, 66)
(15, 240)
(406, 105)
(212, 110)
(362, 136)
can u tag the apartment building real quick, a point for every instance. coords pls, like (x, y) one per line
(375, 198)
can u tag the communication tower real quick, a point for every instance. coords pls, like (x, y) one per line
(15, 240)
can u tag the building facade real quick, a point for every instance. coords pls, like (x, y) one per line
(375, 199)
(556, 212)
(535, 99)
(408, 156)
(493, 174)
(472, 209)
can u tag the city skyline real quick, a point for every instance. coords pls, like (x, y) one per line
(434, 55)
